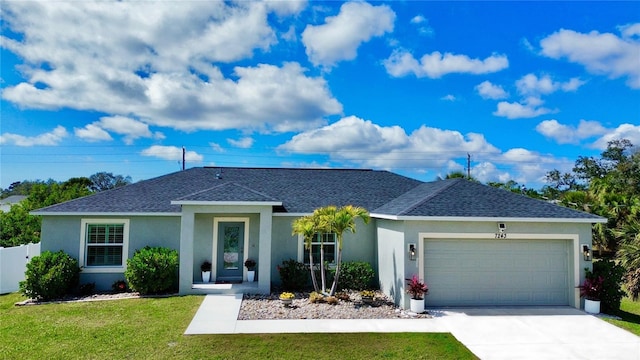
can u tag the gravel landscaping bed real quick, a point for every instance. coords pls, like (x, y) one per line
(94, 297)
(268, 307)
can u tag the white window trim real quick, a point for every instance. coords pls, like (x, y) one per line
(83, 246)
(301, 257)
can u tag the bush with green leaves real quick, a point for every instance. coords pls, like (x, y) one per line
(153, 270)
(613, 275)
(51, 275)
(356, 275)
(294, 275)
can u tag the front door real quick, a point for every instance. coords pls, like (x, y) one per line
(230, 251)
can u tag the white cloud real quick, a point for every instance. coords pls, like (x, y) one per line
(340, 36)
(527, 108)
(531, 84)
(518, 164)
(216, 147)
(630, 30)
(487, 171)
(448, 97)
(436, 64)
(289, 7)
(418, 19)
(600, 53)
(362, 142)
(423, 25)
(51, 138)
(130, 128)
(92, 133)
(243, 143)
(487, 90)
(624, 131)
(171, 153)
(565, 134)
(157, 62)
(572, 85)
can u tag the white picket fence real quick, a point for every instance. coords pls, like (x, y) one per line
(13, 264)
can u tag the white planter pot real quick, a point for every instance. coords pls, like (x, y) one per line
(417, 306)
(251, 275)
(592, 306)
(206, 276)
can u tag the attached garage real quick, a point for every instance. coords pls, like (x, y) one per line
(485, 272)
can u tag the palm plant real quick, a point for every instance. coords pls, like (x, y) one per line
(339, 221)
(323, 220)
(306, 227)
(328, 219)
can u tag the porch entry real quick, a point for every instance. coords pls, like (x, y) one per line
(230, 257)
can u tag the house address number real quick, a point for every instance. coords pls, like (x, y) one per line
(501, 235)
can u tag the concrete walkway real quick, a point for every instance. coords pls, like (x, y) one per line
(490, 333)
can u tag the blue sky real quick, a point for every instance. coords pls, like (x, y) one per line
(411, 87)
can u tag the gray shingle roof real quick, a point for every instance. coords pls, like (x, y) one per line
(463, 198)
(303, 190)
(299, 190)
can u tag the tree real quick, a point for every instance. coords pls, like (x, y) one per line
(17, 227)
(105, 181)
(20, 227)
(338, 221)
(306, 226)
(328, 219)
(18, 188)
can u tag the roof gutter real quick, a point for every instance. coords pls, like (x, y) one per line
(94, 213)
(490, 219)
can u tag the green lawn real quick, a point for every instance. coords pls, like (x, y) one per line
(630, 314)
(153, 328)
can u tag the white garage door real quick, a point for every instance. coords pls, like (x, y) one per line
(496, 272)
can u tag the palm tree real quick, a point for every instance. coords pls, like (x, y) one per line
(341, 220)
(306, 226)
(326, 220)
(323, 218)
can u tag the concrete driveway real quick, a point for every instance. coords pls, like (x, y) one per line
(538, 333)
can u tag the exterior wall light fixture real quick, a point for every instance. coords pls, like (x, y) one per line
(412, 252)
(586, 252)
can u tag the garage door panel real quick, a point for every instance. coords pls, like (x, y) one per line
(496, 272)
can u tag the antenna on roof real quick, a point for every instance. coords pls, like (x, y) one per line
(468, 166)
(183, 157)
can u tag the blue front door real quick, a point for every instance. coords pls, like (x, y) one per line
(230, 251)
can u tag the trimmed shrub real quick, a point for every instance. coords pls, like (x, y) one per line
(294, 275)
(51, 275)
(87, 289)
(612, 292)
(356, 275)
(153, 270)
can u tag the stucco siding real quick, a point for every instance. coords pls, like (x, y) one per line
(284, 246)
(391, 257)
(61, 233)
(64, 233)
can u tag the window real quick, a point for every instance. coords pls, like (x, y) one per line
(104, 245)
(329, 245)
